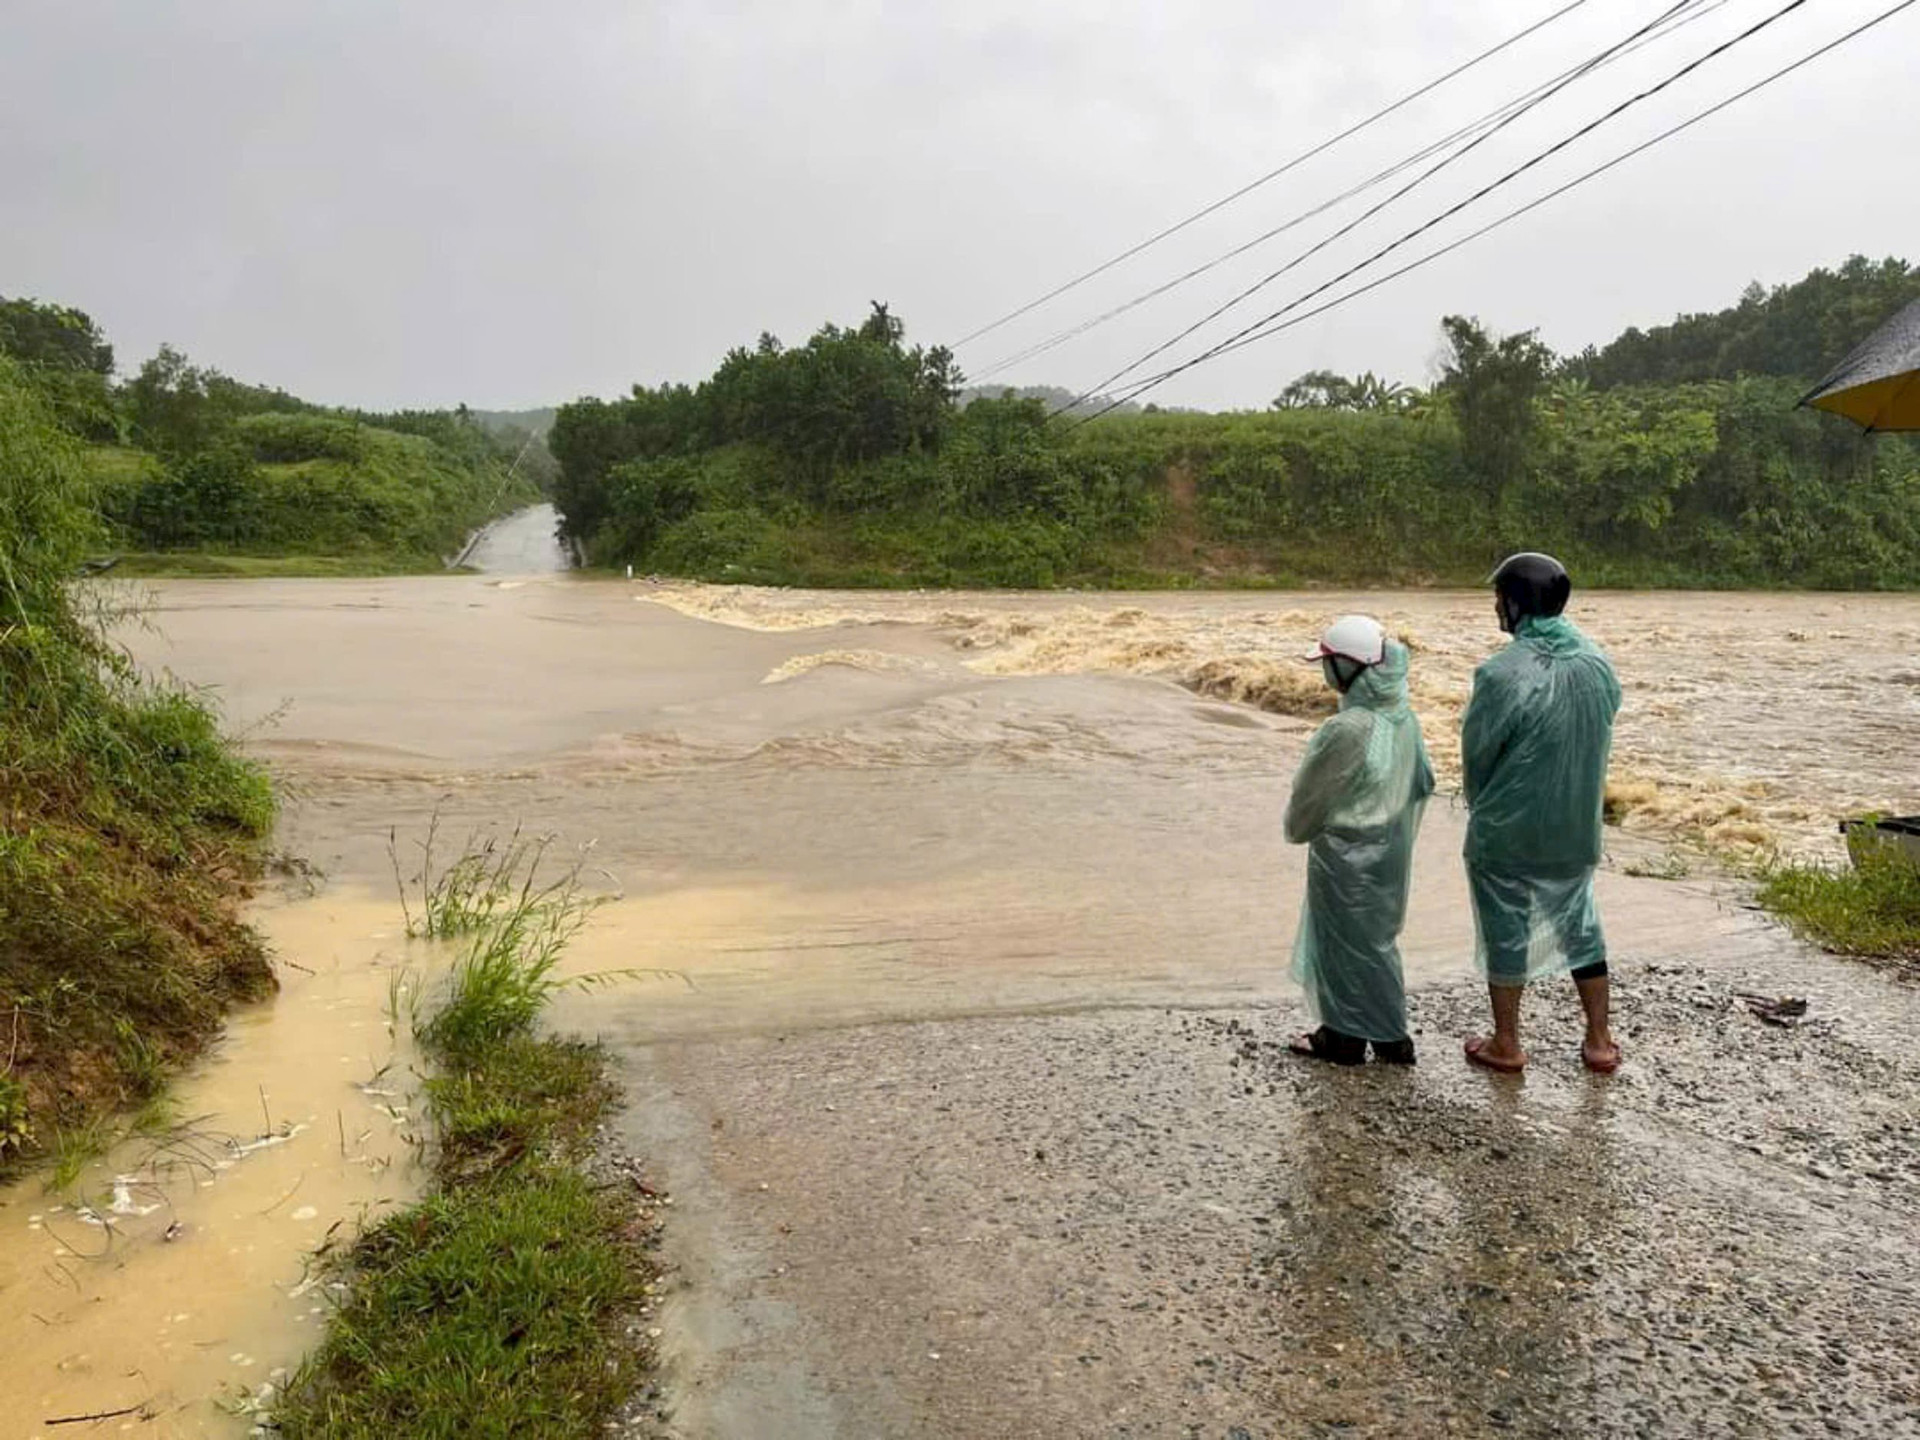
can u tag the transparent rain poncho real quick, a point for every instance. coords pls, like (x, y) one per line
(1356, 805)
(1534, 749)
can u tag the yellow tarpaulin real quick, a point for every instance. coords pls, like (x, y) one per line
(1878, 384)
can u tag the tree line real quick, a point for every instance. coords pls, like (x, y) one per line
(852, 459)
(183, 457)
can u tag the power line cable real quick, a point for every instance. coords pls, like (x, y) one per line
(1485, 190)
(1426, 152)
(1321, 148)
(1578, 180)
(1378, 206)
(1269, 331)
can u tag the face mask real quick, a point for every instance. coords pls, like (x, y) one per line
(1340, 671)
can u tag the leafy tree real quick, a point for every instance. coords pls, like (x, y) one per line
(644, 498)
(65, 357)
(1493, 384)
(589, 437)
(1617, 462)
(1002, 460)
(848, 397)
(1325, 390)
(176, 408)
(1793, 331)
(1316, 390)
(56, 336)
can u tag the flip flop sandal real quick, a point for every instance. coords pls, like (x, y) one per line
(1600, 1067)
(1323, 1044)
(1476, 1055)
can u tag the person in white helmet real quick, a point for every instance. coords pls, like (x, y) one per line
(1356, 804)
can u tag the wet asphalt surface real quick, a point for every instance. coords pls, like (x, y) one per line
(1156, 1223)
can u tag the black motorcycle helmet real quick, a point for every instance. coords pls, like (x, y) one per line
(1530, 584)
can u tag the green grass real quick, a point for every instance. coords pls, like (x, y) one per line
(1870, 910)
(155, 564)
(491, 881)
(504, 978)
(74, 1149)
(494, 1307)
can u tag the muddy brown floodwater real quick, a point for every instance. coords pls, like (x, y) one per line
(171, 1277)
(972, 914)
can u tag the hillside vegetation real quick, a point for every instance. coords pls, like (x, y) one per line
(186, 463)
(128, 828)
(1796, 331)
(849, 461)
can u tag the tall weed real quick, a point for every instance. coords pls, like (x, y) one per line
(516, 913)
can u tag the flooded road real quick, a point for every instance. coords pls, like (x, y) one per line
(977, 913)
(526, 542)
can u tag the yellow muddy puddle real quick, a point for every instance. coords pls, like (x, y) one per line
(172, 1281)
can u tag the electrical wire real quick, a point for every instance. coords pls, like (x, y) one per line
(1380, 205)
(1721, 49)
(1053, 342)
(1268, 330)
(1321, 148)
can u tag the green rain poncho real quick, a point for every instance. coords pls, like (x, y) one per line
(1534, 748)
(1357, 801)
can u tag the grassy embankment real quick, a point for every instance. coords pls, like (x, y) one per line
(303, 494)
(495, 1306)
(1870, 910)
(129, 831)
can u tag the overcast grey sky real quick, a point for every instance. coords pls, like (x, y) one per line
(387, 202)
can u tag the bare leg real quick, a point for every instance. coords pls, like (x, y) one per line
(1598, 1050)
(1501, 1050)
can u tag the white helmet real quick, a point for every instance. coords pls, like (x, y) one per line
(1353, 637)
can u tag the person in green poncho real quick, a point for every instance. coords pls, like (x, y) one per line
(1534, 748)
(1356, 804)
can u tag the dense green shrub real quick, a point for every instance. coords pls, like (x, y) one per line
(273, 438)
(720, 544)
(281, 484)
